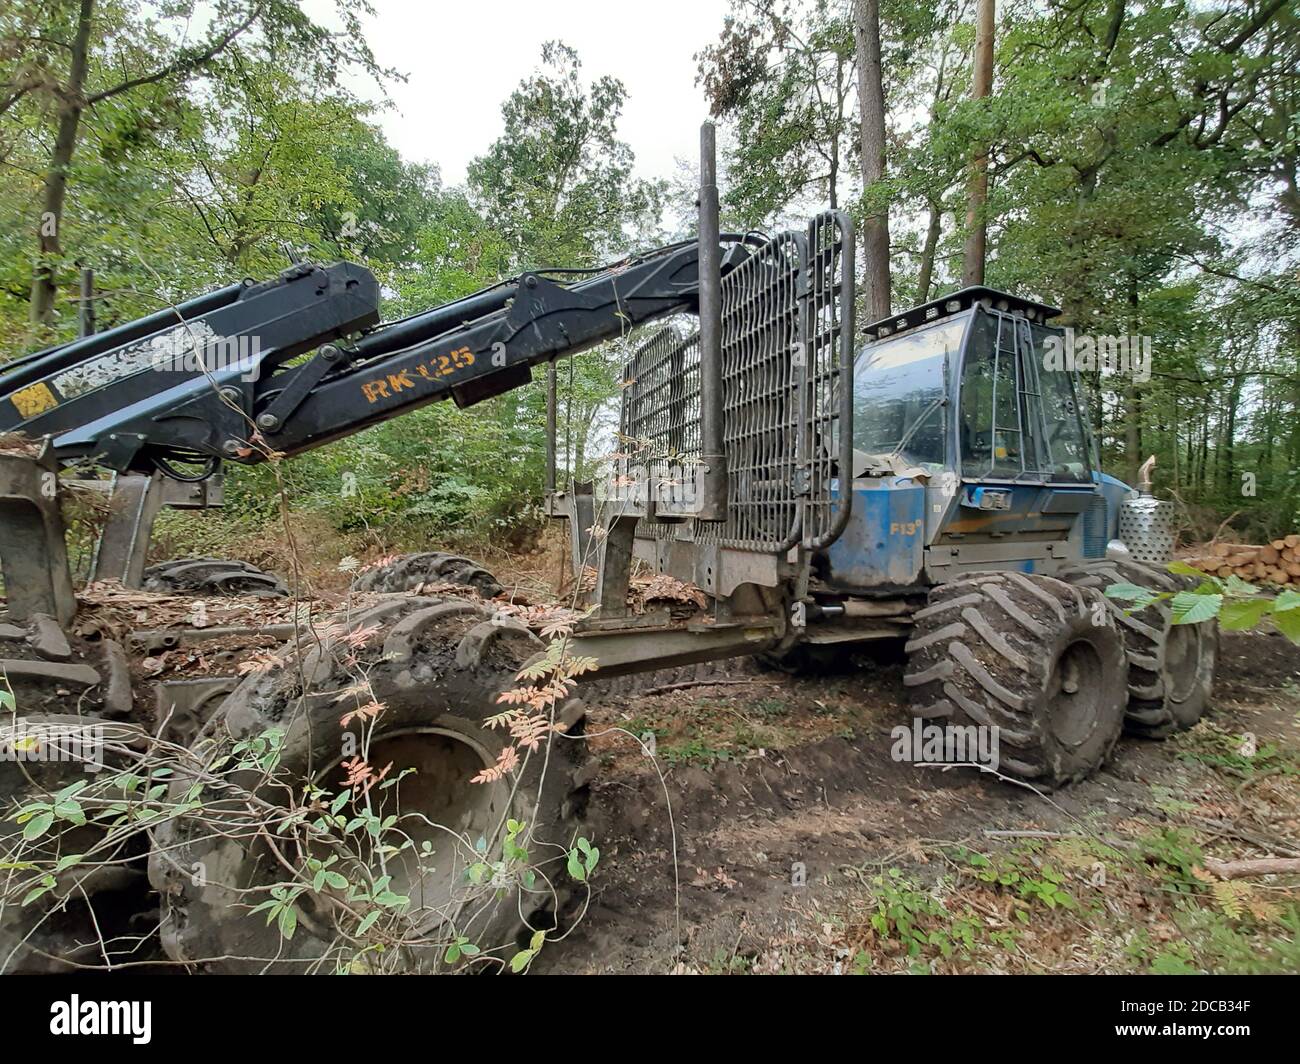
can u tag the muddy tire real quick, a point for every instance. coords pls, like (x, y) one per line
(437, 666)
(413, 571)
(1171, 666)
(1039, 659)
(213, 576)
(57, 932)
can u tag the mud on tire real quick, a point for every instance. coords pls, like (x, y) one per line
(411, 571)
(437, 666)
(1171, 666)
(1038, 659)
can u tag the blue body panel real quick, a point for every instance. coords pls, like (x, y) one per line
(883, 544)
(1114, 491)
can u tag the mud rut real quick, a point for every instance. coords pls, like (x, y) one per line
(834, 803)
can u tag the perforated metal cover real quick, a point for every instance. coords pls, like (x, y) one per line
(1146, 526)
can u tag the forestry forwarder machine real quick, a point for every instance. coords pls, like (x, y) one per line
(930, 481)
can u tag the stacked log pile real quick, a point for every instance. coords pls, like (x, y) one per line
(1274, 563)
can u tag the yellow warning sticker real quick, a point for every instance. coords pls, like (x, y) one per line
(34, 399)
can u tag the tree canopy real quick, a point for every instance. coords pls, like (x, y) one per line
(1142, 162)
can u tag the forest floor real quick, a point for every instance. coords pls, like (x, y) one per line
(774, 833)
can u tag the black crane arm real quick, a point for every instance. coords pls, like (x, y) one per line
(223, 377)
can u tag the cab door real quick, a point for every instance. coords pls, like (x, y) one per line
(1019, 421)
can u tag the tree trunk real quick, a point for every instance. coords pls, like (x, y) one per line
(833, 179)
(926, 273)
(871, 102)
(981, 88)
(1133, 398)
(1229, 432)
(1132, 433)
(50, 222)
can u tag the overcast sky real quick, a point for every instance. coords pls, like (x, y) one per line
(463, 59)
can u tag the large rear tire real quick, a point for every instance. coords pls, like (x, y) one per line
(1039, 660)
(1171, 666)
(438, 667)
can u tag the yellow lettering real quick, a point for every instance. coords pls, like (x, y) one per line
(374, 391)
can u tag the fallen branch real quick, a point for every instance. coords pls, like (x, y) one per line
(1265, 866)
(706, 683)
(1266, 842)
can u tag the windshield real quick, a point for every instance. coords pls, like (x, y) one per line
(899, 388)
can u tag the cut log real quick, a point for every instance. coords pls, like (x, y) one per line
(1264, 866)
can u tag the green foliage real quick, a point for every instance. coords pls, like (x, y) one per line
(784, 77)
(1237, 604)
(916, 919)
(1241, 756)
(1143, 176)
(557, 185)
(200, 179)
(350, 840)
(583, 859)
(1031, 882)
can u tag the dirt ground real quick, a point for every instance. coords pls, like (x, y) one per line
(774, 833)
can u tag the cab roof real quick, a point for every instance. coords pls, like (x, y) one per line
(956, 302)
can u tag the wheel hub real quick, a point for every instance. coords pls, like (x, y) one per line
(1074, 693)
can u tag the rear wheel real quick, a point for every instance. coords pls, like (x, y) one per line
(412, 572)
(437, 667)
(1040, 661)
(1171, 666)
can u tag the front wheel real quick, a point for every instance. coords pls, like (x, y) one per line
(1040, 662)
